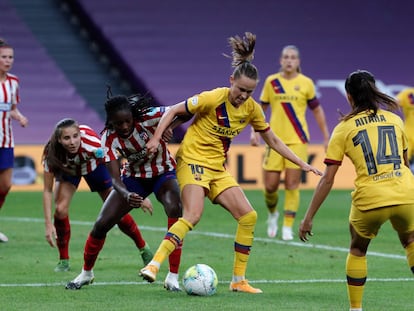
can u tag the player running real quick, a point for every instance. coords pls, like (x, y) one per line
(130, 124)
(219, 115)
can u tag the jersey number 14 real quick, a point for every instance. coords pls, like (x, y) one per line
(386, 136)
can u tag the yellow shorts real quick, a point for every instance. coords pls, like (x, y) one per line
(195, 174)
(367, 223)
(273, 161)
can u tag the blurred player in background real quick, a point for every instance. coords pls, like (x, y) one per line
(74, 151)
(131, 122)
(219, 115)
(406, 101)
(9, 98)
(288, 93)
(374, 140)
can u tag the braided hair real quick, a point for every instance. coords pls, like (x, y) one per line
(242, 54)
(138, 104)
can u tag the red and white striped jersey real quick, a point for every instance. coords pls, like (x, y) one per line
(9, 95)
(89, 155)
(133, 149)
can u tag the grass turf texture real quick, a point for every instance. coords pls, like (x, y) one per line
(293, 275)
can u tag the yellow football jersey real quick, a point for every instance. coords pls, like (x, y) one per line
(375, 146)
(215, 124)
(406, 101)
(288, 101)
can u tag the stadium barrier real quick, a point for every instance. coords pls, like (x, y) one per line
(244, 162)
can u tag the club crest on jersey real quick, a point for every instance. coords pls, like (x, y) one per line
(197, 177)
(144, 136)
(297, 88)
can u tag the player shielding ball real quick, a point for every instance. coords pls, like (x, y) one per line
(373, 138)
(218, 116)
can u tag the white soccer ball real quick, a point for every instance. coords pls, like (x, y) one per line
(200, 280)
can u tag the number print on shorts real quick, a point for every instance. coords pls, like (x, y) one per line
(386, 135)
(197, 171)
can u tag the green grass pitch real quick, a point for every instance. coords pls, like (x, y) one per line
(293, 275)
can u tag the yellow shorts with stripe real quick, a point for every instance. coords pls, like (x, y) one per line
(273, 161)
(367, 223)
(195, 174)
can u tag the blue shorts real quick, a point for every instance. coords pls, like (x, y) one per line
(145, 186)
(6, 158)
(97, 180)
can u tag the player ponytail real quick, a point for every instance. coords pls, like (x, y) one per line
(4, 44)
(242, 56)
(360, 86)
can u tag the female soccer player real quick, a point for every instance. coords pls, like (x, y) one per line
(74, 151)
(406, 101)
(219, 116)
(9, 98)
(288, 93)
(130, 124)
(374, 140)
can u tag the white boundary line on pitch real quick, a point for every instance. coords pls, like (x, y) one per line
(369, 280)
(226, 236)
(219, 235)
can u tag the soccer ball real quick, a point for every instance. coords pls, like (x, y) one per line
(200, 280)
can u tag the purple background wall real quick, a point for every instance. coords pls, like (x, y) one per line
(46, 94)
(175, 48)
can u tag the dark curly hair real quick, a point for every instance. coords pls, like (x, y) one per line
(138, 104)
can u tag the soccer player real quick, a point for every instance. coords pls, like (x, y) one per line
(219, 115)
(131, 122)
(74, 151)
(406, 101)
(288, 93)
(374, 140)
(9, 98)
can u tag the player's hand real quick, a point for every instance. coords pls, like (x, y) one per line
(152, 145)
(305, 230)
(23, 121)
(309, 168)
(134, 200)
(51, 235)
(254, 138)
(146, 206)
(167, 135)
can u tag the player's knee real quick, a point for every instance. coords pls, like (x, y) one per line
(248, 219)
(172, 205)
